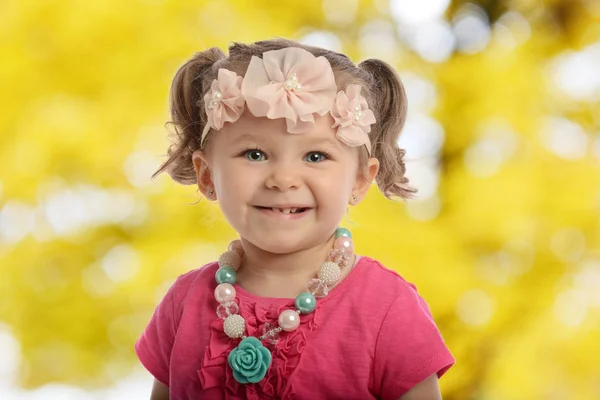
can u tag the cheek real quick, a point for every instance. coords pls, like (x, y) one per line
(335, 187)
(225, 180)
(235, 183)
(228, 175)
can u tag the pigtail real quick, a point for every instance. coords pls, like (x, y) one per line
(389, 106)
(188, 117)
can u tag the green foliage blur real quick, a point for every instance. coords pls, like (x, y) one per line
(505, 245)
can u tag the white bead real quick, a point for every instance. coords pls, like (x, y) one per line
(329, 273)
(225, 293)
(230, 258)
(217, 95)
(289, 320)
(234, 326)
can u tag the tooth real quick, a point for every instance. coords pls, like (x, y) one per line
(286, 210)
(293, 210)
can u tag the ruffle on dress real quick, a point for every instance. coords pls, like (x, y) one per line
(215, 371)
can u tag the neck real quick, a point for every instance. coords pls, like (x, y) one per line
(280, 275)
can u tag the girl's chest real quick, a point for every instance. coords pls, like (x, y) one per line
(318, 360)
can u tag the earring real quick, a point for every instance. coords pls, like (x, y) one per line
(354, 197)
(210, 192)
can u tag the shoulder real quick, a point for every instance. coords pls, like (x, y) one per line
(199, 274)
(155, 346)
(377, 267)
(376, 293)
(386, 289)
(198, 280)
(383, 280)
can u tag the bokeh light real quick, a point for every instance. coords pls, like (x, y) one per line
(502, 139)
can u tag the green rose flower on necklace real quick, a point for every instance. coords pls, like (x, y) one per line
(249, 361)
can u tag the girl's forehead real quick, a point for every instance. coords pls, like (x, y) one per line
(263, 128)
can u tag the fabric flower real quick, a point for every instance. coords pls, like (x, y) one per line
(249, 361)
(353, 118)
(286, 354)
(289, 83)
(224, 101)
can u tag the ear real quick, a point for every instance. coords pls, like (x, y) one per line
(203, 175)
(364, 179)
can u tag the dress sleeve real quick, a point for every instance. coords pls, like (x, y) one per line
(154, 346)
(409, 346)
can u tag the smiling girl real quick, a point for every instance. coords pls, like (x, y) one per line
(284, 137)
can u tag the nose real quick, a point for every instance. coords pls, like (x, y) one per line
(284, 177)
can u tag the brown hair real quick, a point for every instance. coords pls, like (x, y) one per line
(380, 84)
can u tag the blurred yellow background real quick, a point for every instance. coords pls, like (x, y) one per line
(503, 140)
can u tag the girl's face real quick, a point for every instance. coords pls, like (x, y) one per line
(281, 192)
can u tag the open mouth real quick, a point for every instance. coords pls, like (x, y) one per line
(295, 210)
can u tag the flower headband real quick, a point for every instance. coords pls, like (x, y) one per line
(293, 84)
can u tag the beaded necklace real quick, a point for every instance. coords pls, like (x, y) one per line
(250, 360)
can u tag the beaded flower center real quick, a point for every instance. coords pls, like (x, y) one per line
(292, 84)
(358, 113)
(216, 98)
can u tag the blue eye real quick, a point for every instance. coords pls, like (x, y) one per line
(255, 155)
(316, 156)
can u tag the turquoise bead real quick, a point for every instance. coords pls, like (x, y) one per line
(342, 232)
(226, 275)
(306, 303)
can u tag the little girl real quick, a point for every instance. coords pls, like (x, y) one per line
(285, 136)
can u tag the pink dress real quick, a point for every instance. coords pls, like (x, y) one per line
(372, 337)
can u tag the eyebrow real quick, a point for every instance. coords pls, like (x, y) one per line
(327, 140)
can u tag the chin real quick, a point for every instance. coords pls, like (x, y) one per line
(280, 244)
